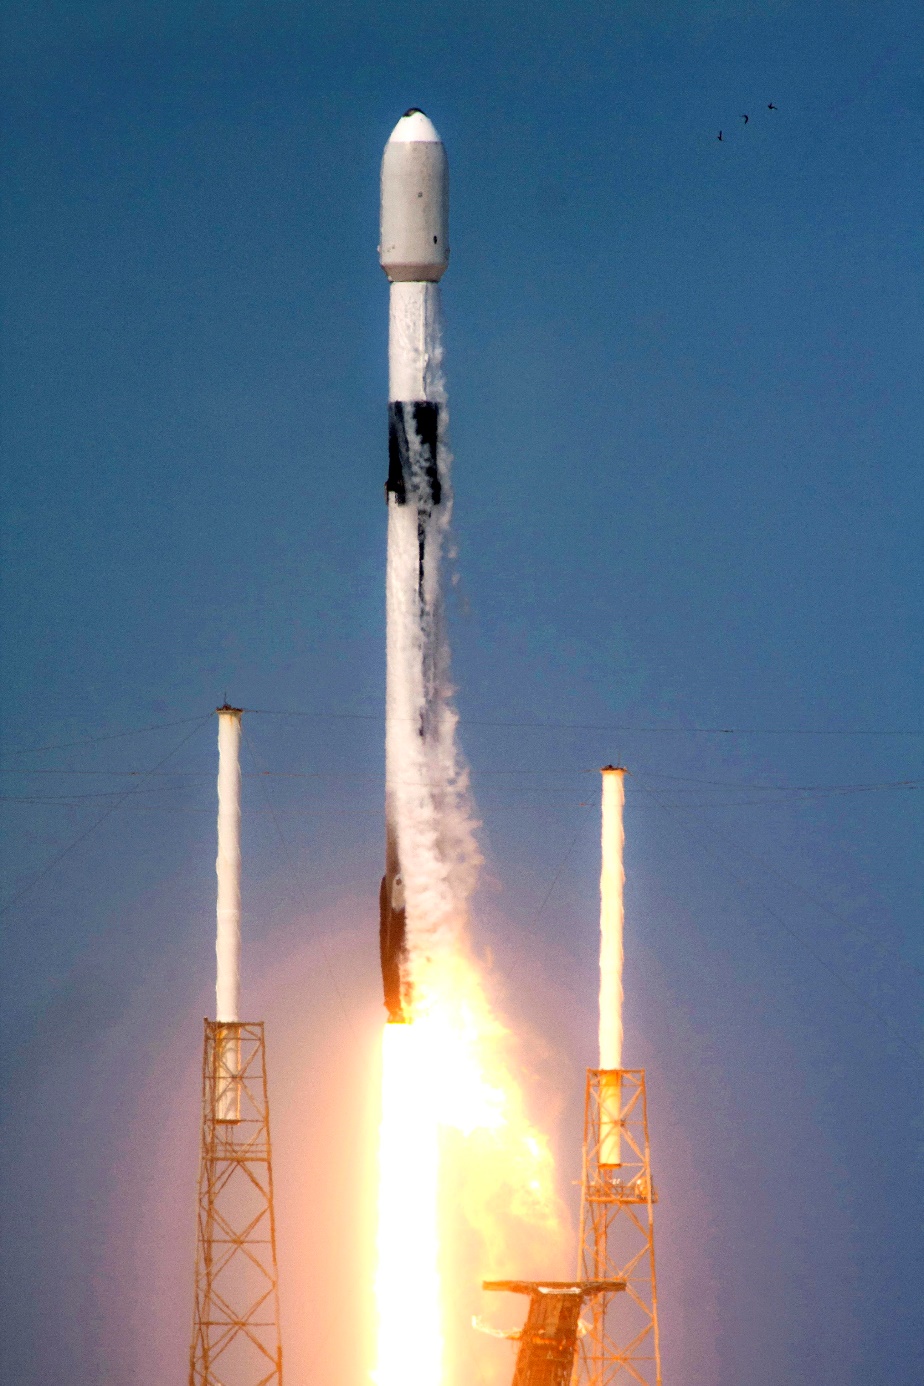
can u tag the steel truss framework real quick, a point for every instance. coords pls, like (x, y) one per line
(235, 1340)
(617, 1233)
(548, 1337)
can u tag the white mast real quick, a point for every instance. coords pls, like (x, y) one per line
(228, 867)
(612, 881)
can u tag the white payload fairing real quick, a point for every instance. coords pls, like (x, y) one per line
(414, 241)
(414, 253)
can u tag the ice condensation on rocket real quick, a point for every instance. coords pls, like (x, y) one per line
(430, 852)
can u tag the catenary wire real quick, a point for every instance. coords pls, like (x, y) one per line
(821, 905)
(107, 813)
(880, 1015)
(94, 740)
(297, 876)
(554, 881)
(72, 800)
(606, 726)
(794, 789)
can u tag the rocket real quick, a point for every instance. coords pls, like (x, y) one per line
(414, 253)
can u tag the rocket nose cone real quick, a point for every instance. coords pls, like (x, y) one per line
(414, 128)
(414, 228)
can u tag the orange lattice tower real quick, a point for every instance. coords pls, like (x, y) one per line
(617, 1193)
(236, 1320)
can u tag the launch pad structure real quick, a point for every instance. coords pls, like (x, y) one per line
(236, 1326)
(235, 1338)
(617, 1233)
(622, 1343)
(616, 1256)
(235, 1334)
(547, 1339)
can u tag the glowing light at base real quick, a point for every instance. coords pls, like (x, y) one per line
(407, 1286)
(455, 1143)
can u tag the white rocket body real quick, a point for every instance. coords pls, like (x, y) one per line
(414, 252)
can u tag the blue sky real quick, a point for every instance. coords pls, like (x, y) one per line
(686, 413)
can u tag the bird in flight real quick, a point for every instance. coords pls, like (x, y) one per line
(745, 118)
(770, 106)
(719, 135)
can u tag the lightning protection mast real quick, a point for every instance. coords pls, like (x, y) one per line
(617, 1194)
(235, 1338)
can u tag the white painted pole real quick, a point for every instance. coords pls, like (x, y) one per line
(228, 867)
(612, 881)
(228, 935)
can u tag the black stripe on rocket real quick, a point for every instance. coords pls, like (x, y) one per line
(413, 470)
(413, 476)
(412, 456)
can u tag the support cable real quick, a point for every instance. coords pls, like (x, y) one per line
(298, 877)
(81, 837)
(794, 934)
(604, 727)
(94, 740)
